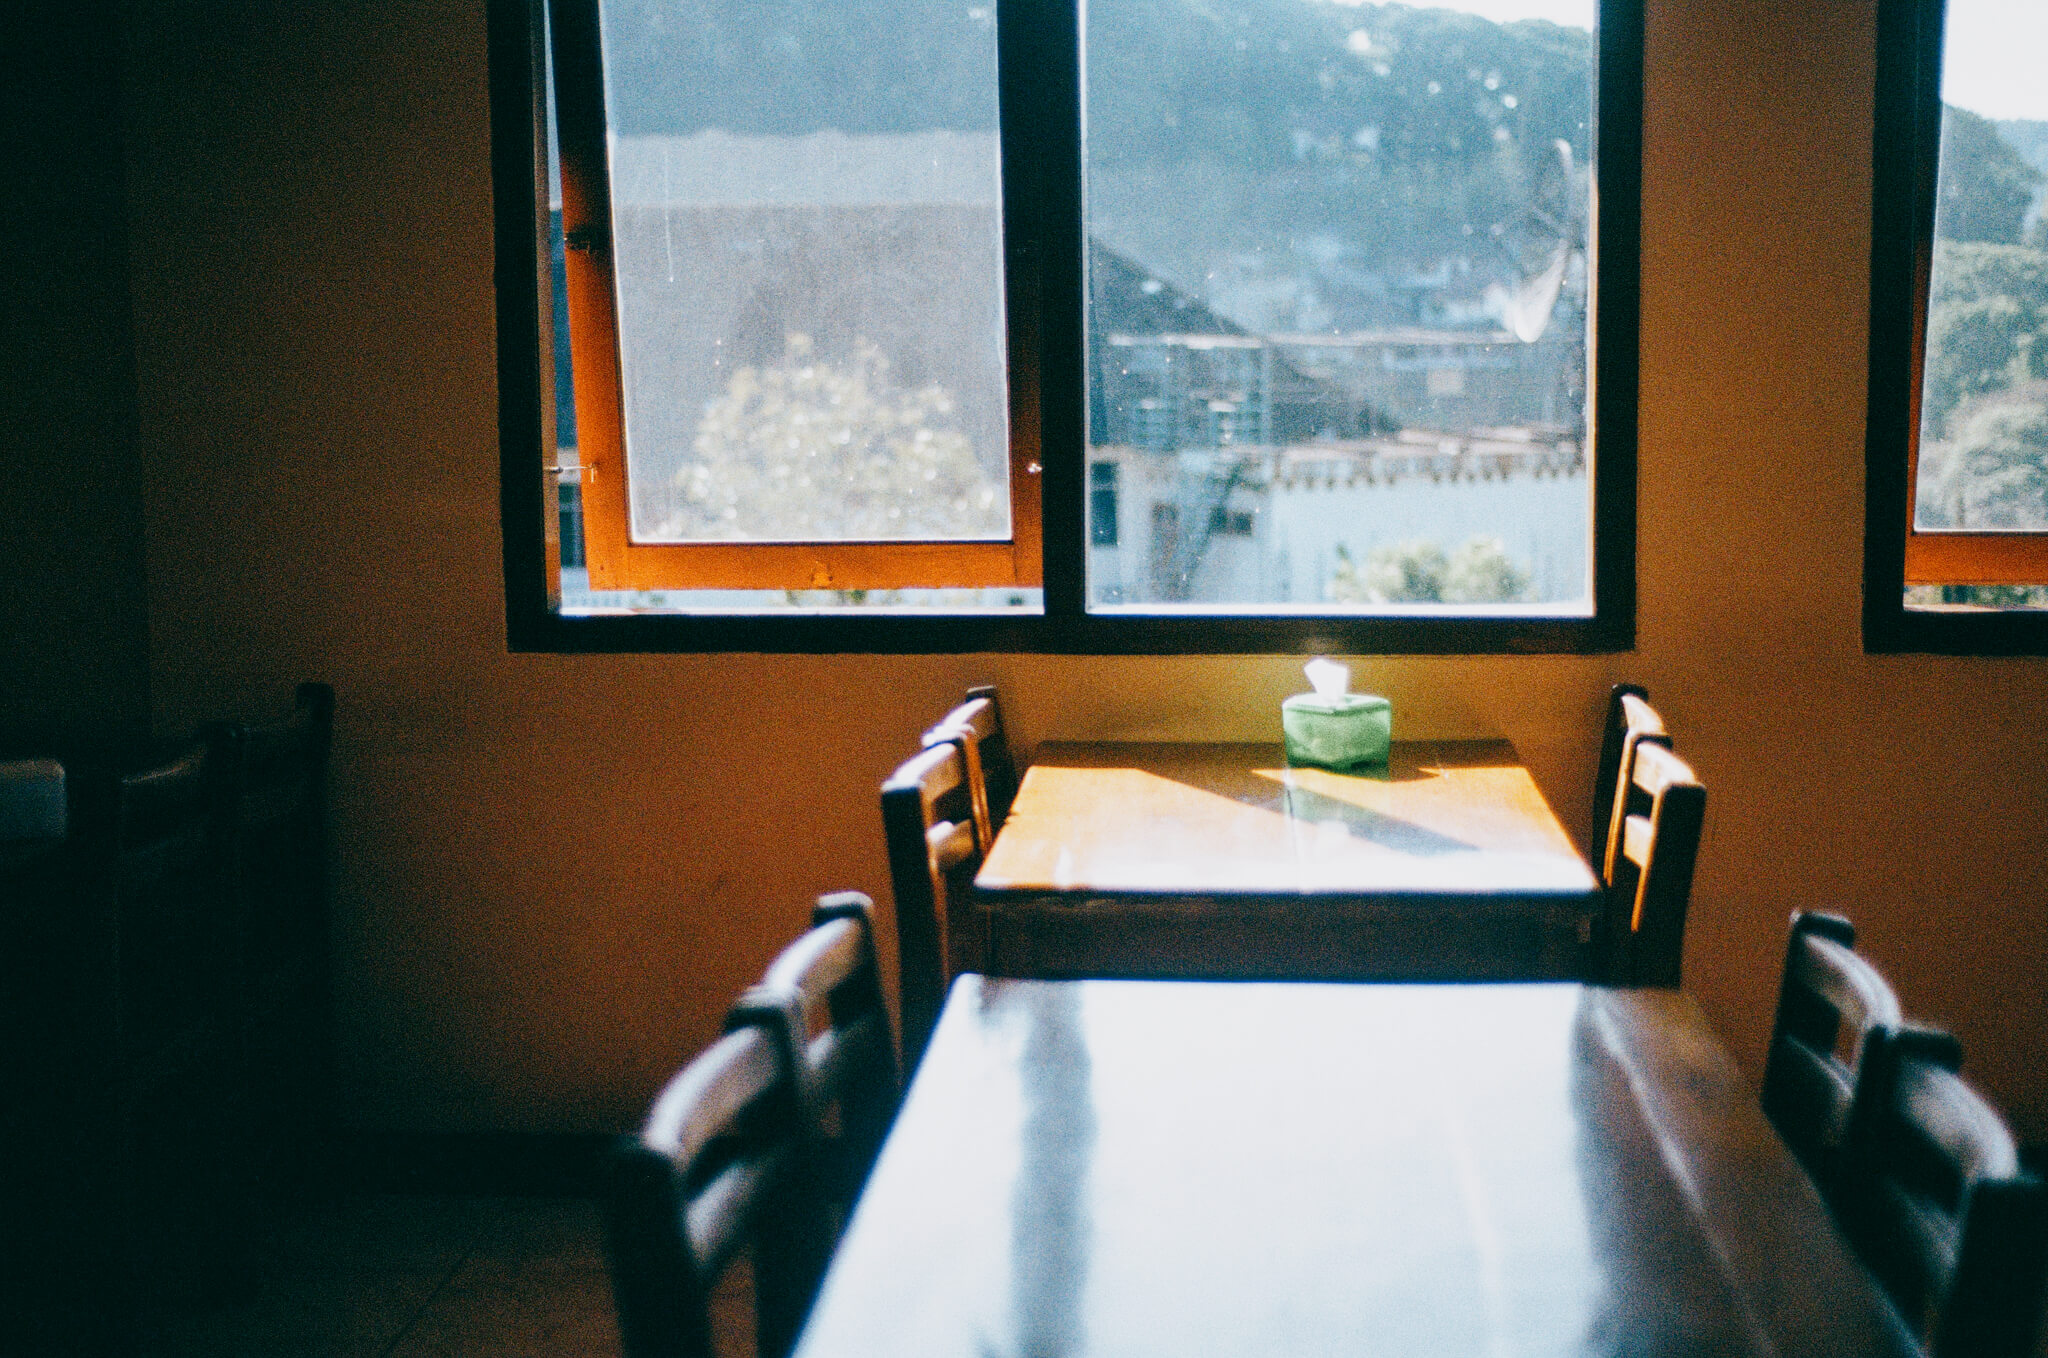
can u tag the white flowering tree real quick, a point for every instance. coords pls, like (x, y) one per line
(808, 450)
(1479, 571)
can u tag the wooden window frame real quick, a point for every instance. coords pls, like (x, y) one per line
(1040, 90)
(615, 560)
(1905, 162)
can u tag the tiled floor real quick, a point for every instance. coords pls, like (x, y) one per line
(422, 1277)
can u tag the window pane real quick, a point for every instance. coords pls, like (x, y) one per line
(806, 205)
(1983, 461)
(1338, 288)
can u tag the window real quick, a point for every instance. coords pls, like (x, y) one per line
(1957, 538)
(1297, 324)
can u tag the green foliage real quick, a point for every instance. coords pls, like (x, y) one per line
(1482, 573)
(1987, 324)
(1445, 123)
(1418, 572)
(1986, 186)
(1442, 121)
(1993, 472)
(807, 449)
(1977, 596)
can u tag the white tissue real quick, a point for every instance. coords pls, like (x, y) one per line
(1327, 677)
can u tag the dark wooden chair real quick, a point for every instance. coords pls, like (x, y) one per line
(928, 823)
(712, 1175)
(976, 726)
(276, 779)
(1652, 852)
(1933, 1197)
(1630, 721)
(55, 1251)
(171, 1054)
(822, 997)
(1829, 1002)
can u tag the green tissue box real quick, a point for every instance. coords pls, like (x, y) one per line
(1336, 733)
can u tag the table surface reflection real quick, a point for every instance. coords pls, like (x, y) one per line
(1219, 861)
(1459, 818)
(1183, 1168)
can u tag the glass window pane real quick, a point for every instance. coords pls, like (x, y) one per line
(1983, 459)
(1338, 304)
(807, 216)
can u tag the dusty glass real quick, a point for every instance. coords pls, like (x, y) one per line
(806, 207)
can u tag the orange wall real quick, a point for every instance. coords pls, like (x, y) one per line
(555, 870)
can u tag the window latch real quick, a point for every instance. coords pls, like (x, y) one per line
(582, 238)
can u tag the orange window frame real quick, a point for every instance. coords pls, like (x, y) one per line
(614, 560)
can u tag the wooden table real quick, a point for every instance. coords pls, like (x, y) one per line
(1219, 860)
(1139, 1168)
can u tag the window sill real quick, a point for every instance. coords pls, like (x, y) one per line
(539, 629)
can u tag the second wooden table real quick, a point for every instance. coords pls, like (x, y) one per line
(1219, 860)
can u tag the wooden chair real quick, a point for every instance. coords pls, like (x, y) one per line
(1933, 1197)
(56, 1250)
(712, 1174)
(1829, 1001)
(928, 823)
(822, 997)
(171, 1055)
(33, 806)
(1630, 721)
(1650, 882)
(821, 1000)
(277, 782)
(976, 726)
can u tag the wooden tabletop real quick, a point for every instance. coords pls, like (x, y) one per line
(1140, 1168)
(1455, 818)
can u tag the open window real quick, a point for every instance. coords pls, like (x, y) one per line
(1133, 325)
(1957, 554)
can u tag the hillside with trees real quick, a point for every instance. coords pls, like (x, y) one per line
(1984, 416)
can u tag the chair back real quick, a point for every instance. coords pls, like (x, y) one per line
(1653, 853)
(928, 823)
(710, 1175)
(1606, 777)
(1934, 1199)
(1829, 1001)
(1632, 723)
(276, 776)
(170, 1055)
(976, 726)
(179, 939)
(33, 808)
(822, 997)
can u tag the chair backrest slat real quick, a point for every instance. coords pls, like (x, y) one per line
(1653, 853)
(976, 727)
(1607, 774)
(926, 821)
(1641, 728)
(711, 1173)
(1829, 1001)
(822, 996)
(1933, 1196)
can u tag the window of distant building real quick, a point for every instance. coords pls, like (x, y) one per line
(1957, 555)
(826, 332)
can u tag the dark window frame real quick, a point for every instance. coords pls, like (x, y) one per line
(1039, 74)
(1905, 151)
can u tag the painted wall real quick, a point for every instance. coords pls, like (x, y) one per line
(555, 871)
(74, 645)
